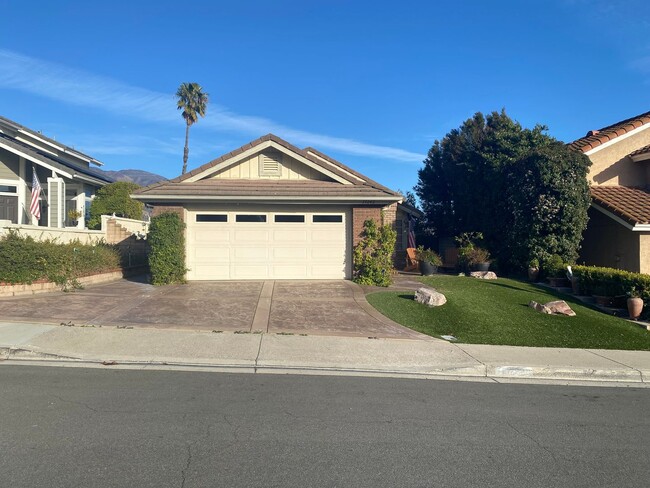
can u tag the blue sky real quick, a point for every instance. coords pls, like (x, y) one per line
(372, 84)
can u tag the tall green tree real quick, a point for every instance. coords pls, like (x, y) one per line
(115, 198)
(467, 183)
(193, 101)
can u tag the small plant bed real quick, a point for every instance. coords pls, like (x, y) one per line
(497, 312)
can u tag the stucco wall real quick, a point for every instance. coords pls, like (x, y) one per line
(611, 166)
(62, 236)
(608, 243)
(644, 252)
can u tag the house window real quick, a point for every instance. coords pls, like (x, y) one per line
(322, 219)
(211, 218)
(289, 218)
(8, 188)
(270, 164)
(250, 218)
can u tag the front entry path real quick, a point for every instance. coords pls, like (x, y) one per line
(335, 307)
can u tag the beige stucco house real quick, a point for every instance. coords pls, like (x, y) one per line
(270, 210)
(618, 233)
(65, 174)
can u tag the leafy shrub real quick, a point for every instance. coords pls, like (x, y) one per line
(373, 263)
(611, 282)
(469, 253)
(428, 255)
(167, 249)
(554, 267)
(115, 198)
(26, 260)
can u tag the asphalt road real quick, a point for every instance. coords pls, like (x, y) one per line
(69, 427)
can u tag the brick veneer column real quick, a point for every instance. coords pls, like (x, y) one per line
(159, 209)
(359, 216)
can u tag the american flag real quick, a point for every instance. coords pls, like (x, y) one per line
(411, 237)
(35, 206)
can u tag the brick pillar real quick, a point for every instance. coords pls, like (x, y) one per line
(359, 216)
(178, 209)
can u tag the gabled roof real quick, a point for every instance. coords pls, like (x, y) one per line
(37, 135)
(628, 203)
(349, 184)
(595, 138)
(65, 167)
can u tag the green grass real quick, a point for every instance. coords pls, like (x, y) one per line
(497, 312)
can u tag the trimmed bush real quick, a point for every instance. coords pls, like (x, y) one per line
(25, 260)
(373, 255)
(115, 198)
(611, 282)
(167, 249)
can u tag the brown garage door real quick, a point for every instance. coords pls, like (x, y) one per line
(9, 208)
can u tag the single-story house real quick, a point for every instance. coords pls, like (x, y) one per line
(618, 232)
(68, 182)
(270, 210)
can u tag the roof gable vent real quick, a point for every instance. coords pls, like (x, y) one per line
(270, 164)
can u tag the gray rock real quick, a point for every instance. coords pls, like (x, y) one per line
(539, 307)
(484, 275)
(560, 307)
(430, 297)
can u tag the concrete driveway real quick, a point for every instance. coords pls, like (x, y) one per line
(299, 307)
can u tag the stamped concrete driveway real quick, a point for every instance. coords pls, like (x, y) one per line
(299, 307)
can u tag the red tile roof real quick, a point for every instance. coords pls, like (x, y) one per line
(643, 150)
(596, 138)
(630, 204)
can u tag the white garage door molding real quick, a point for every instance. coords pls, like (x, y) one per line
(250, 244)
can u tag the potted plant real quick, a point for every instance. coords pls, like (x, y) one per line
(533, 270)
(634, 303)
(74, 216)
(478, 259)
(429, 261)
(555, 270)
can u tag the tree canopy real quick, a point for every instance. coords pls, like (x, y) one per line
(115, 198)
(523, 190)
(193, 102)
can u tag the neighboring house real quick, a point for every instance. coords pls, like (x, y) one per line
(64, 173)
(618, 233)
(270, 210)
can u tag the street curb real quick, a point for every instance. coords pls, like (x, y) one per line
(490, 373)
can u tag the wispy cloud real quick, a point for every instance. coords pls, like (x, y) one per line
(72, 86)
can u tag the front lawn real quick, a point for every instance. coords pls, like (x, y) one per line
(497, 312)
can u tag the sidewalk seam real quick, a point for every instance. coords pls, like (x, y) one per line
(259, 350)
(617, 362)
(457, 346)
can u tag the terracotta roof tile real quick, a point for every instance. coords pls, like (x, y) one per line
(631, 204)
(596, 138)
(643, 150)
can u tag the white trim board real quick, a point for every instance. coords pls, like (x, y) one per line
(613, 216)
(618, 139)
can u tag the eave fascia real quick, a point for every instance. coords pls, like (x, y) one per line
(613, 141)
(35, 160)
(623, 222)
(265, 198)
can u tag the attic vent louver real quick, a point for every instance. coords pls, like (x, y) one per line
(271, 164)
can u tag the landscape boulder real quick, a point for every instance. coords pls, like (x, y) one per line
(484, 275)
(557, 307)
(430, 297)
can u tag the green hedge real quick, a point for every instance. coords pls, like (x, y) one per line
(167, 249)
(611, 282)
(25, 260)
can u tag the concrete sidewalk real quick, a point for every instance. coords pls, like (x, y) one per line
(284, 353)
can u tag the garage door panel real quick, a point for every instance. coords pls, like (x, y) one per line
(201, 236)
(266, 250)
(280, 235)
(249, 271)
(289, 253)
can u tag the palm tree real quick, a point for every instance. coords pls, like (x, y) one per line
(192, 100)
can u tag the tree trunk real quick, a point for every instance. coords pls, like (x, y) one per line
(186, 151)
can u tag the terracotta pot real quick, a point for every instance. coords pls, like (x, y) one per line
(533, 274)
(635, 307)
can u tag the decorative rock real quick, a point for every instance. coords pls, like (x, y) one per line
(557, 307)
(484, 275)
(430, 297)
(539, 307)
(560, 307)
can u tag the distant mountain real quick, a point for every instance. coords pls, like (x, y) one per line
(142, 178)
